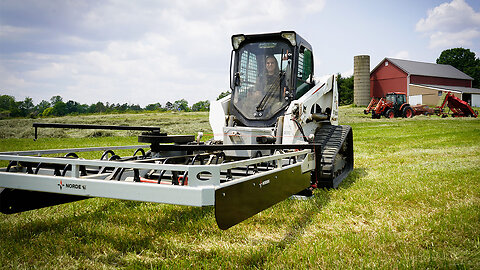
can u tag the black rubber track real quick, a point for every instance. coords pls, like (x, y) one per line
(335, 140)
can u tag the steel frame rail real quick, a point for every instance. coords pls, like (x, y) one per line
(82, 126)
(72, 150)
(200, 190)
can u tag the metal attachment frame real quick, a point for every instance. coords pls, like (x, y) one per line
(200, 191)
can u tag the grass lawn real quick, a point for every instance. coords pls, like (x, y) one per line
(413, 201)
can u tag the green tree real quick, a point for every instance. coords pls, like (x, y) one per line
(8, 106)
(464, 60)
(121, 108)
(47, 112)
(55, 99)
(345, 89)
(201, 106)
(72, 107)
(59, 109)
(153, 107)
(82, 108)
(135, 107)
(58, 106)
(181, 105)
(26, 106)
(40, 107)
(98, 107)
(169, 106)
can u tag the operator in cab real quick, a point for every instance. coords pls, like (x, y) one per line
(261, 82)
(266, 79)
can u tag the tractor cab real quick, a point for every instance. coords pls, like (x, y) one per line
(268, 71)
(397, 99)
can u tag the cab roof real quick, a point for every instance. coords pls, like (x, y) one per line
(278, 35)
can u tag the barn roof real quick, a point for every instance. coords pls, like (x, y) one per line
(427, 69)
(466, 90)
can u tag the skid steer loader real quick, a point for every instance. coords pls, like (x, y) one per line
(276, 135)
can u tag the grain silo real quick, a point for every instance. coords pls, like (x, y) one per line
(361, 80)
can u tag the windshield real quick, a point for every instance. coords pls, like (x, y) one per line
(397, 99)
(264, 69)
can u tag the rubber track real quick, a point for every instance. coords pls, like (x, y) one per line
(331, 138)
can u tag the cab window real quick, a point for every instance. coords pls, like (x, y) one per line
(305, 70)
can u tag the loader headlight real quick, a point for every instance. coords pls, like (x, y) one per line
(237, 40)
(290, 36)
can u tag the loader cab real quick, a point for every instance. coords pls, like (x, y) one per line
(268, 71)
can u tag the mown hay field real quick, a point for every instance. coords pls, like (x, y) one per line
(412, 201)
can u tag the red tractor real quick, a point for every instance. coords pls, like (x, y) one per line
(392, 105)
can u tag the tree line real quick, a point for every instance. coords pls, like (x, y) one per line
(461, 58)
(9, 107)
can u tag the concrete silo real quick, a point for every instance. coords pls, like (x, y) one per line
(361, 80)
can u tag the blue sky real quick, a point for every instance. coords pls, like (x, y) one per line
(143, 52)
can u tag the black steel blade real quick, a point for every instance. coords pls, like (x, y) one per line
(17, 200)
(237, 202)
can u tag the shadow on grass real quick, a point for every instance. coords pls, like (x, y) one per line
(120, 227)
(302, 220)
(352, 178)
(79, 228)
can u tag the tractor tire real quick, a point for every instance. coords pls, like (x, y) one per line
(408, 112)
(390, 113)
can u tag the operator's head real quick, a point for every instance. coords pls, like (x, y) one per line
(271, 65)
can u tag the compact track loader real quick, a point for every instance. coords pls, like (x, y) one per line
(275, 136)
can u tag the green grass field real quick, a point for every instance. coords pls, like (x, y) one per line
(413, 201)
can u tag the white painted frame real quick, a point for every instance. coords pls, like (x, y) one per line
(197, 193)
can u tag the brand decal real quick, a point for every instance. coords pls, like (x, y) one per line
(264, 183)
(61, 185)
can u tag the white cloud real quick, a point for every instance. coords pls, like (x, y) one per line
(462, 38)
(401, 55)
(13, 31)
(450, 17)
(347, 73)
(313, 6)
(451, 24)
(137, 52)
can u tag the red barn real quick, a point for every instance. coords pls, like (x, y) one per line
(423, 83)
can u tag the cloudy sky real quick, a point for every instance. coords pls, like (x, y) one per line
(150, 51)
